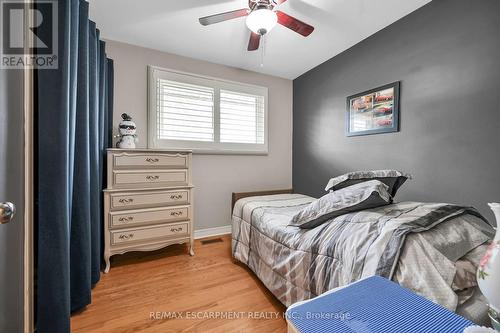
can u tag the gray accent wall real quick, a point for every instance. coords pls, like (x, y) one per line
(447, 57)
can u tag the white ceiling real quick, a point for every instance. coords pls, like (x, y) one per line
(172, 26)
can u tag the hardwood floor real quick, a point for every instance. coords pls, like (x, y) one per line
(144, 285)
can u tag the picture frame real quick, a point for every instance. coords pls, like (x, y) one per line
(374, 111)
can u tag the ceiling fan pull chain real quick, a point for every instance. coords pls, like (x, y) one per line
(263, 51)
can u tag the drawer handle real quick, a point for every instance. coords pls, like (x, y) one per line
(152, 178)
(176, 213)
(176, 196)
(126, 219)
(123, 236)
(176, 229)
(126, 201)
(152, 160)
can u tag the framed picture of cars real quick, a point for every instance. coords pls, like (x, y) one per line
(374, 111)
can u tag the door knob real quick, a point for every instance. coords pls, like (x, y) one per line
(7, 211)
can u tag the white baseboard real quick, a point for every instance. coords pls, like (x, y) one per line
(210, 232)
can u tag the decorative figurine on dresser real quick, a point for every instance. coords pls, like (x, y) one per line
(127, 135)
(149, 201)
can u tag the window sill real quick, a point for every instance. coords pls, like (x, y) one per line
(229, 152)
(209, 148)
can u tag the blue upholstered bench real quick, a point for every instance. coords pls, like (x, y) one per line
(374, 305)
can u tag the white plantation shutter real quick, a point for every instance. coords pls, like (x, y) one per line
(206, 115)
(184, 111)
(241, 117)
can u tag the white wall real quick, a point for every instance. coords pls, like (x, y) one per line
(214, 176)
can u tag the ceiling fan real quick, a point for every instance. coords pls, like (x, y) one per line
(262, 16)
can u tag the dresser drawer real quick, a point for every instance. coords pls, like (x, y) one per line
(153, 178)
(149, 234)
(146, 161)
(120, 201)
(149, 216)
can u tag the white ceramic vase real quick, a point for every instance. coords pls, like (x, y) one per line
(488, 273)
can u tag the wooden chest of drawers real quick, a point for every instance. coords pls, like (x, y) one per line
(148, 202)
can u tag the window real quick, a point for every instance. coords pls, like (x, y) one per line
(184, 111)
(206, 115)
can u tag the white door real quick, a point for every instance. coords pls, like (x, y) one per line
(11, 194)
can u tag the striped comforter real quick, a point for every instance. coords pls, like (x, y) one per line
(298, 264)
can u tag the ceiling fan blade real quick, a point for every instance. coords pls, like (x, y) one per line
(294, 24)
(207, 20)
(254, 42)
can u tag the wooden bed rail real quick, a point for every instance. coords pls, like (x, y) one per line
(240, 195)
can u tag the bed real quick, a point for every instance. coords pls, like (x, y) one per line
(432, 249)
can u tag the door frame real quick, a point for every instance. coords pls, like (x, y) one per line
(28, 252)
(28, 168)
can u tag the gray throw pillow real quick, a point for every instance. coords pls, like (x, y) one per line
(361, 196)
(392, 178)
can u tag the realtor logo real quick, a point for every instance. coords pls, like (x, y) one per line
(28, 34)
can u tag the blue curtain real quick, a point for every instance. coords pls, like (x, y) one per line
(74, 115)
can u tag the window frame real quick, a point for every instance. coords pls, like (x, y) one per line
(204, 147)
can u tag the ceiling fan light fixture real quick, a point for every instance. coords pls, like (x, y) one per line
(261, 21)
